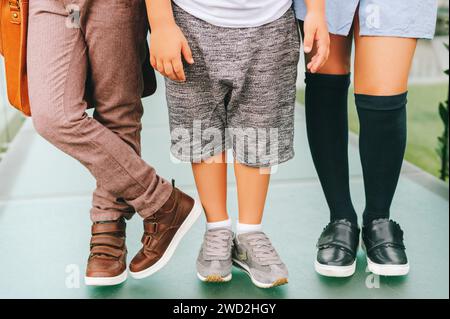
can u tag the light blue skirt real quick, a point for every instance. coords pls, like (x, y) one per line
(394, 18)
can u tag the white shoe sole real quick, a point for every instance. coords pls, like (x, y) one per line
(246, 269)
(388, 270)
(184, 229)
(335, 271)
(106, 281)
(215, 278)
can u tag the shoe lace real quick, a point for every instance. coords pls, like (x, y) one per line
(263, 249)
(217, 244)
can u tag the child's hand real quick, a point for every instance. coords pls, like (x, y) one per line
(167, 45)
(316, 37)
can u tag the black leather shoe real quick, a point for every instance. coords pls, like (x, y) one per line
(338, 246)
(386, 252)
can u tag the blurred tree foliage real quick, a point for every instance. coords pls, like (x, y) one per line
(442, 21)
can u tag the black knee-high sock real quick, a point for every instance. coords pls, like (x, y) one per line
(327, 125)
(382, 146)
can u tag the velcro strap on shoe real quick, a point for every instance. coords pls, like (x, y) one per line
(151, 227)
(146, 239)
(108, 241)
(382, 233)
(340, 234)
(106, 250)
(105, 228)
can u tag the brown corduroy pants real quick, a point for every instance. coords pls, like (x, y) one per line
(80, 48)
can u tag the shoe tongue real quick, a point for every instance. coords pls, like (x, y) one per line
(245, 235)
(218, 244)
(219, 230)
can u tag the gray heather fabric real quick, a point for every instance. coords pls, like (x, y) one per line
(256, 251)
(239, 94)
(215, 255)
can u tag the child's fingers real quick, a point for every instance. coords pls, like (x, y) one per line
(323, 44)
(160, 66)
(187, 53)
(153, 61)
(319, 59)
(312, 65)
(168, 70)
(309, 66)
(178, 69)
(317, 64)
(308, 40)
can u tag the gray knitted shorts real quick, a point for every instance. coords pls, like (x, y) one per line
(239, 93)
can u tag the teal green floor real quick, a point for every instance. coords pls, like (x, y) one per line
(44, 227)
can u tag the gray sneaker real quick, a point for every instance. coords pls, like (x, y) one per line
(214, 263)
(254, 254)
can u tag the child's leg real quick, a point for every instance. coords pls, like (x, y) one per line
(327, 126)
(252, 187)
(261, 110)
(253, 251)
(381, 81)
(211, 181)
(214, 261)
(199, 106)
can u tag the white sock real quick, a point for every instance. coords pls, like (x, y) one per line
(247, 228)
(223, 224)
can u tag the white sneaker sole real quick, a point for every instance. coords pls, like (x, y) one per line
(215, 278)
(165, 259)
(246, 269)
(388, 270)
(335, 271)
(106, 281)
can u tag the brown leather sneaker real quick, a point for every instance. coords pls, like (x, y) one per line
(163, 232)
(107, 262)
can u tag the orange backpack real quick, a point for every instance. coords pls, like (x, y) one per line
(13, 47)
